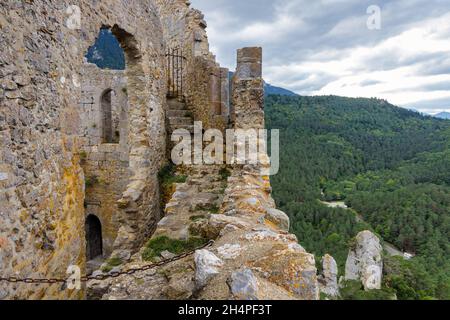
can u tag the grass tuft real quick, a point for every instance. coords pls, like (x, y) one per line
(111, 263)
(167, 180)
(224, 173)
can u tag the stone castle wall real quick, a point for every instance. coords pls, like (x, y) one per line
(52, 136)
(205, 94)
(105, 165)
(42, 182)
(254, 257)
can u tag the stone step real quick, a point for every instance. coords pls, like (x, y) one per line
(176, 105)
(181, 121)
(178, 113)
(189, 127)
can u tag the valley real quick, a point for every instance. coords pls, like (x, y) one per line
(389, 164)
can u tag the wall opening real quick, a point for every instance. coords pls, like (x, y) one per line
(111, 117)
(106, 52)
(94, 239)
(119, 95)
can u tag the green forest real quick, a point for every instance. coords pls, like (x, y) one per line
(391, 166)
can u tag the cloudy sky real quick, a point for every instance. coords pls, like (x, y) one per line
(325, 47)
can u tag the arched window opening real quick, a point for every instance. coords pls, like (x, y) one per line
(94, 241)
(106, 52)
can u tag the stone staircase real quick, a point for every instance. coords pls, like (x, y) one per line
(178, 116)
(195, 200)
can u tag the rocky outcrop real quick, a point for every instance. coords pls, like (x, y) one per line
(328, 279)
(364, 261)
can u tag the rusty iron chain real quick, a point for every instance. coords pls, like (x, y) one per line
(110, 275)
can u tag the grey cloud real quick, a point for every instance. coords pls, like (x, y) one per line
(369, 82)
(330, 29)
(435, 104)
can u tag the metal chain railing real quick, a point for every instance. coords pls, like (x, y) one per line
(108, 275)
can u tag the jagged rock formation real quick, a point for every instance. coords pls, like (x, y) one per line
(364, 261)
(328, 279)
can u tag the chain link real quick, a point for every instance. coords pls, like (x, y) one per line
(110, 275)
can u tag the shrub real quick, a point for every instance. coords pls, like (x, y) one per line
(224, 173)
(111, 263)
(167, 179)
(91, 181)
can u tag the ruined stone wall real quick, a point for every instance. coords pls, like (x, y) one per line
(185, 28)
(49, 146)
(254, 257)
(248, 90)
(105, 165)
(41, 180)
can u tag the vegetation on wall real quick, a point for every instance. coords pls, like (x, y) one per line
(157, 245)
(168, 177)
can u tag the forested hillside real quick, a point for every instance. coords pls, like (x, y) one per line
(390, 165)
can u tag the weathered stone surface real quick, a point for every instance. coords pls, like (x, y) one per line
(207, 265)
(167, 254)
(279, 218)
(328, 280)
(181, 286)
(364, 261)
(229, 251)
(244, 285)
(97, 289)
(204, 201)
(218, 222)
(294, 271)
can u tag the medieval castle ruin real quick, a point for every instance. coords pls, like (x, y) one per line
(81, 149)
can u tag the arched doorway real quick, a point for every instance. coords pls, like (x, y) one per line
(94, 241)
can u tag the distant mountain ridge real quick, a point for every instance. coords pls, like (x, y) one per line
(443, 115)
(269, 89)
(106, 53)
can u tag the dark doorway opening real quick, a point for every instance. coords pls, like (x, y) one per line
(94, 245)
